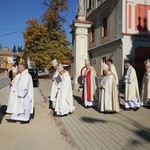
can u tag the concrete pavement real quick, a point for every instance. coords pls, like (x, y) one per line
(43, 132)
(92, 130)
(88, 128)
(4, 80)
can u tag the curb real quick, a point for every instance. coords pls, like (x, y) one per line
(59, 123)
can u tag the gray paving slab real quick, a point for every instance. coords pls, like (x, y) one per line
(90, 129)
(4, 81)
(112, 131)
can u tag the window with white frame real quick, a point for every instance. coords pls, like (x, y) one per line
(89, 3)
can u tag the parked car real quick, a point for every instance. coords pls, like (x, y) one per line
(34, 74)
(41, 70)
(51, 73)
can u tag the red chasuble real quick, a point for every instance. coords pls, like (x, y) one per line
(88, 85)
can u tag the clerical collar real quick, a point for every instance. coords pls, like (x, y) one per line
(25, 71)
(130, 67)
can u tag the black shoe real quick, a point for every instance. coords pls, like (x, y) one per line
(87, 106)
(54, 113)
(105, 113)
(62, 115)
(24, 122)
(135, 108)
(128, 109)
(11, 121)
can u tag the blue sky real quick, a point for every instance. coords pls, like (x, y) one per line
(15, 13)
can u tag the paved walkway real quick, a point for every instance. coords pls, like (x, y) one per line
(4, 81)
(42, 133)
(92, 130)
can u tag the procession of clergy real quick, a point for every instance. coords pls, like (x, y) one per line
(104, 96)
(21, 97)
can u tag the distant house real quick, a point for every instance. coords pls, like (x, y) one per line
(120, 30)
(7, 58)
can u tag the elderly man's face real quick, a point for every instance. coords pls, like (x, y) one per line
(108, 63)
(88, 66)
(127, 65)
(61, 72)
(21, 68)
(55, 67)
(147, 68)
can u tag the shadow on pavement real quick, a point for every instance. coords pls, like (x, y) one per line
(146, 107)
(92, 120)
(33, 115)
(45, 76)
(122, 107)
(141, 131)
(79, 100)
(2, 112)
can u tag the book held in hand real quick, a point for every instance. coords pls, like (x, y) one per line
(57, 79)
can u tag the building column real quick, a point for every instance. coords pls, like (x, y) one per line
(80, 48)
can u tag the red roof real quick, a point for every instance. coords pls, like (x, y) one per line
(66, 62)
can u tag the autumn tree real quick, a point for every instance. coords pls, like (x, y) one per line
(42, 45)
(36, 42)
(47, 40)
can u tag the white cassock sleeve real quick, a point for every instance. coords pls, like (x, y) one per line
(22, 93)
(132, 76)
(148, 86)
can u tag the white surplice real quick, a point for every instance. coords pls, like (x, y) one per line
(14, 104)
(64, 102)
(145, 93)
(25, 95)
(132, 97)
(54, 88)
(109, 101)
(114, 71)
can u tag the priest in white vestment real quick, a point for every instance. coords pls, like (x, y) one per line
(25, 95)
(132, 96)
(112, 69)
(56, 79)
(64, 102)
(145, 93)
(91, 90)
(109, 100)
(14, 105)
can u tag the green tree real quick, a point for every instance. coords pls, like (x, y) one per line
(19, 49)
(14, 49)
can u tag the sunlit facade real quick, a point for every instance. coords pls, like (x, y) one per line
(120, 30)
